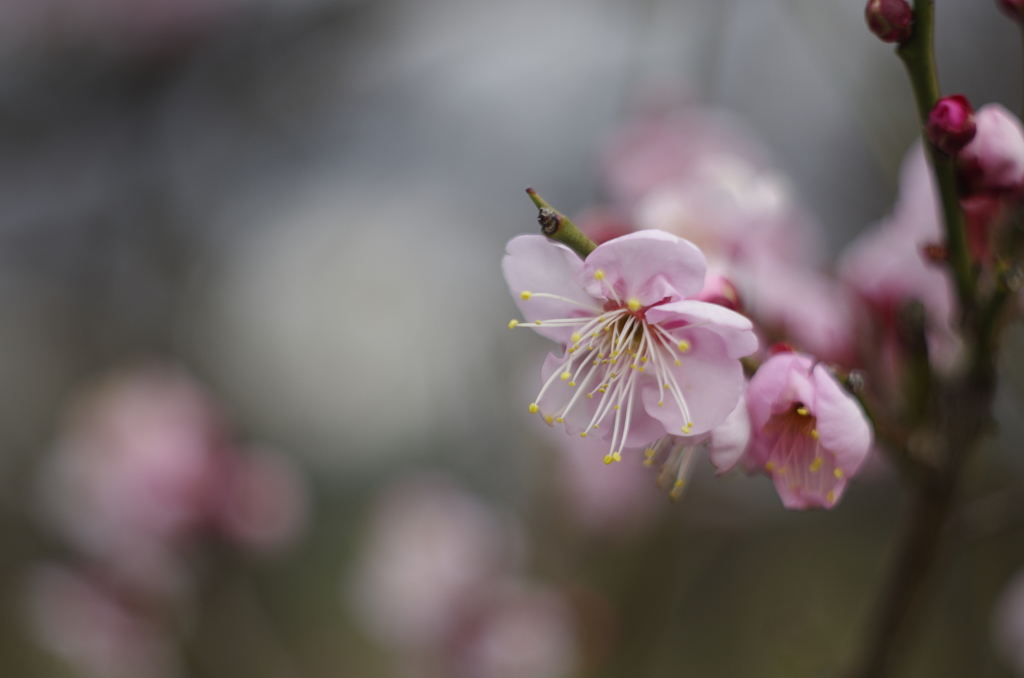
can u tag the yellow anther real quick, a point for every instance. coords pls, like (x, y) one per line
(572, 383)
(572, 349)
(549, 418)
(608, 459)
(525, 295)
(512, 323)
(644, 359)
(677, 484)
(838, 473)
(598, 274)
(616, 407)
(649, 452)
(641, 368)
(617, 456)
(632, 367)
(684, 346)
(560, 420)
(816, 464)
(534, 409)
(661, 403)
(583, 435)
(666, 387)
(536, 322)
(802, 411)
(633, 304)
(814, 433)
(649, 461)
(678, 363)
(597, 426)
(689, 424)
(831, 497)
(600, 390)
(769, 466)
(565, 375)
(590, 396)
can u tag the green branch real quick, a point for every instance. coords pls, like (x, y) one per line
(557, 226)
(919, 58)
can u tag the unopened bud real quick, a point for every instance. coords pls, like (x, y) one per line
(951, 124)
(890, 20)
(1013, 9)
(780, 347)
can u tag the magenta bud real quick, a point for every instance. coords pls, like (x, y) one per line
(951, 124)
(1013, 9)
(890, 20)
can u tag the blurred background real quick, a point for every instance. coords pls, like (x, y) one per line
(259, 411)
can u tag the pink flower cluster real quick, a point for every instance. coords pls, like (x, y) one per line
(145, 476)
(438, 583)
(705, 256)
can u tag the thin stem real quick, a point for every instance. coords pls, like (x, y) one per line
(557, 226)
(919, 58)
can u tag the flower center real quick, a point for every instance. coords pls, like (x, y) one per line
(798, 456)
(608, 357)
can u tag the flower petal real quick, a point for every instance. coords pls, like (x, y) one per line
(736, 330)
(730, 439)
(537, 265)
(843, 428)
(711, 383)
(648, 266)
(780, 381)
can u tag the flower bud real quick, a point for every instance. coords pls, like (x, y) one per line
(1013, 9)
(993, 162)
(890, 20)
(951, 124)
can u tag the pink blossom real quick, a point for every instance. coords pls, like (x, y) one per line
(640, 357)
(884, 264)
(90, 627)
(431, 546)
(810, 435)
(994, 160)
(517, 631)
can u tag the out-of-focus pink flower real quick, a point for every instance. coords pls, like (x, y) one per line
(654, 150)
(602, 224)
(810, 435)
(430, 547)
(951, 124)
(132, 476)
(885, 265)
(725, 445)
(518, 631)
(734, 211)
(994, 160)
(890, 20)
(641, 358)
(145, 469)
(263, 501)
(90, 628)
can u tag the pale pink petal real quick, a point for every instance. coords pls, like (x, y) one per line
(537, 265)
(734, 329)
(648, 266)
(994, 160)
(710, 381)
(730, 439)
(843, 429)
(772, 387)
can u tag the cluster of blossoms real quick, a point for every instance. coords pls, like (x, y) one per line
(705, 259)
(144, 479)
(439, 583)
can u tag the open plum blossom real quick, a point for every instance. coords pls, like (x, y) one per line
(641, 358)
(810, 435)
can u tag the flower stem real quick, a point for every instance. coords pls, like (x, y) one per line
(918, 56)
(557, 226)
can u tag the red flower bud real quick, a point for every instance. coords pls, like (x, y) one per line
(1013, 9)
(890, 20)
(951, 124)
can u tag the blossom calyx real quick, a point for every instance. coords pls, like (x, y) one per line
(951, 124)
(890, 20)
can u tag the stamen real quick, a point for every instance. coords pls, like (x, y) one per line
(512, 323)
